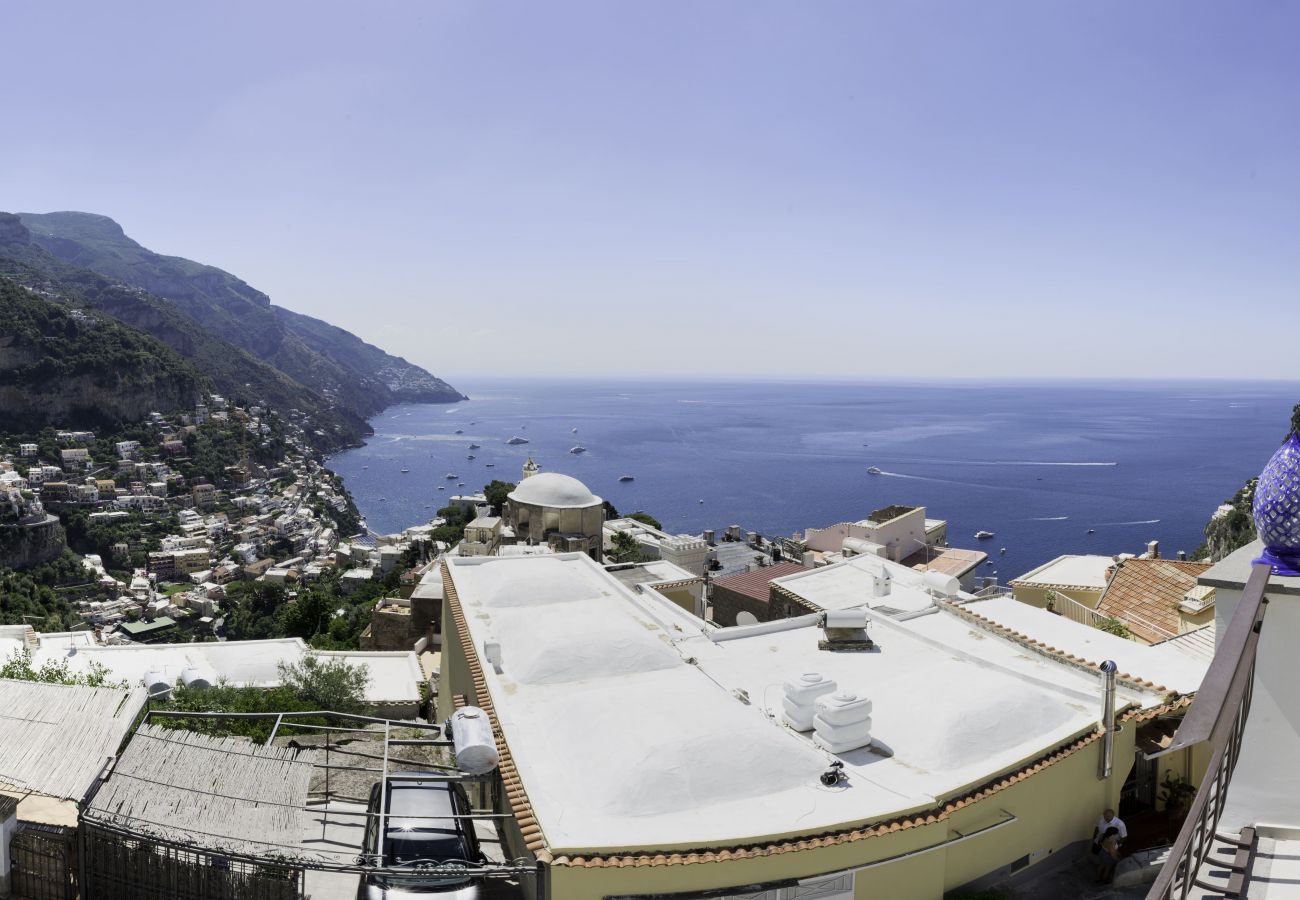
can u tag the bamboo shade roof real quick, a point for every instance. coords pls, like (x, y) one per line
(213, 792)
(55, 738)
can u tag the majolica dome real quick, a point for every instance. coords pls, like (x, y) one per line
(1276, 509)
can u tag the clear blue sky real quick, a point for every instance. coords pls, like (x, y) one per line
(726, 188)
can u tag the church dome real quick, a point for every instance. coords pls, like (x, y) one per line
(554, 490)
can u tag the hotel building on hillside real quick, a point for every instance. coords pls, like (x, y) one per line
(648, 753)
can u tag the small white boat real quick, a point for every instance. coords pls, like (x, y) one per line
(460, 484)
(516, 439)
(1003, 551)
(983, 535)
(452, 476)
(573, 431)
(475, 446)
(577, 449)
(626, 478)
(701, 499)
(441, 488)
(405, 470)
(873, 470)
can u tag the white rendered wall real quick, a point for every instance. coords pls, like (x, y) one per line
(1266, 785)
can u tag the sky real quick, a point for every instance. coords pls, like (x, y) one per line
(724, 189)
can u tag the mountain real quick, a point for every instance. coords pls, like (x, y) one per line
(72, 366)
(327, 359)
(233, 372)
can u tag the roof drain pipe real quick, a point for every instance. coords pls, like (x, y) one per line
(1108, 670)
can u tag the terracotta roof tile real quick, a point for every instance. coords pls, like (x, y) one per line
(755, 584)
(1144, 595)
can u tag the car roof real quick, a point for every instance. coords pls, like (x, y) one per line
(422, 798)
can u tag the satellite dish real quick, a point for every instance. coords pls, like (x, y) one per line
(746, 618)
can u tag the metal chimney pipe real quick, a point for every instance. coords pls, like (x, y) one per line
(1108, 670)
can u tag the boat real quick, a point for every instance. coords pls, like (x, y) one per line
(460, 484)
(577, 449)
(573, 431)
(626, 478)
(701, 499)
(452, 476)
(405, 470)
(516, 439)
(365, 467)
(983, 535)
(471, 456)
(1003, 551)
(489, 465)
(476, 446)
(1092, 531)
(441, 488)
(874, 470)
(383, 499)
(460, 431)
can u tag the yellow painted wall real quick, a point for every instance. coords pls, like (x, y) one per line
(1037, 596)
(1053, 808)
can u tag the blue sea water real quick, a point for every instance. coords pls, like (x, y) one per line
(1039, 465)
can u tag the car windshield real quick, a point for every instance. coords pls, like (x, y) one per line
(431, 846)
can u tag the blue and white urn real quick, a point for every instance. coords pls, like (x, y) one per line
(1276, 509)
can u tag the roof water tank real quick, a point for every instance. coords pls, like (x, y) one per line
(805, 687)
(845, 618)
(843, 708)
(945, 585)
(194, 677)
(475, 745)
(158, 684)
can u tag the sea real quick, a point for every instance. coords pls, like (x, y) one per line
(1049, 468)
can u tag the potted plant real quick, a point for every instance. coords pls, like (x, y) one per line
(1176, 793)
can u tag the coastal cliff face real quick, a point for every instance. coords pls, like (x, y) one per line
(321, 356)
(225, 368)
(27, 546)
(62, 365)
(1231, 527)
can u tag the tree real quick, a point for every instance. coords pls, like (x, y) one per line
(496, 493)
(646, 518)
(624, 548)
(19, 667)
(328, 684)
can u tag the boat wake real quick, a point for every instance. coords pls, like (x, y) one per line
(1049, 519)
(1138, 522)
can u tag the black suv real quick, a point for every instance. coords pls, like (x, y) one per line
(423, 854)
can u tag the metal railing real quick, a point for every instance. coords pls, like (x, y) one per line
(1217, 717)
(1072, 609)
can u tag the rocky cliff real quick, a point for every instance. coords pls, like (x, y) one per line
(1231, 526)
(27, 546)
(231, 371)
(321, 356)
(72, 366)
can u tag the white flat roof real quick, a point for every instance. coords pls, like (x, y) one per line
(1165, 664)
(624, 715)
(1077, 571)
(848, 584)
(394, 677)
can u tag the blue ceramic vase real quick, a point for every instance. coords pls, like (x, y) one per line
(1276, 509)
